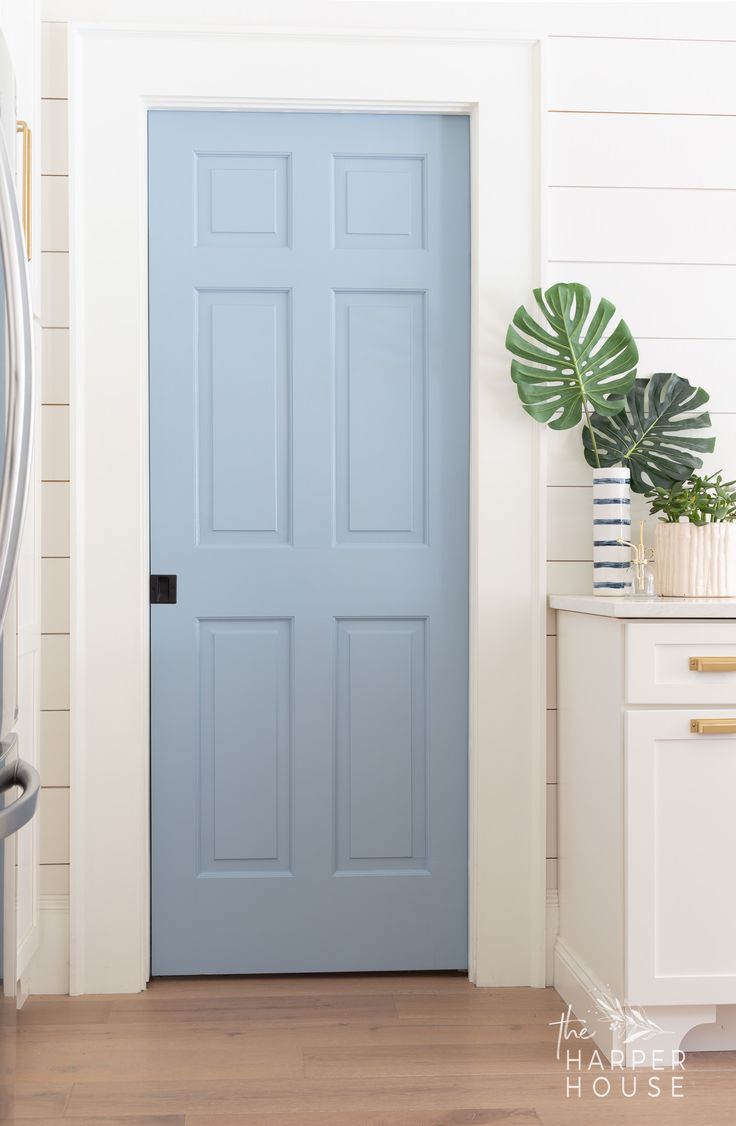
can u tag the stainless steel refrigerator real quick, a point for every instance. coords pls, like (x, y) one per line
(19, 781)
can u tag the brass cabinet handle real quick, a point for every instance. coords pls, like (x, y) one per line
(713, 726)
(713, 664)
(24, 128)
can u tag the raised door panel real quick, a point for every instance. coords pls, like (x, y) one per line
(381, 743)
(380, 417)
(243, 426)
(245, 746)
(379, 202)
(243, 200)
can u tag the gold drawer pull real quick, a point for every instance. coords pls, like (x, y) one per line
(713, 664)
(713, 726)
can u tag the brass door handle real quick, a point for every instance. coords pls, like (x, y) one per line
(713, 726)
(713, 664)
(24, 128)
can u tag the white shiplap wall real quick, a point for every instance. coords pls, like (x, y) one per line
(640, 204)
(641, 207)
(55, 560)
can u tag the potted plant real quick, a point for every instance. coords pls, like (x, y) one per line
(567, 369)
(637, 432)
(695, 539)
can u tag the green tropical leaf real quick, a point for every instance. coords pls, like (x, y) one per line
(568, 366)
(652, 434)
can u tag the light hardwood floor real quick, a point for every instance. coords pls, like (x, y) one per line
(372, 1050)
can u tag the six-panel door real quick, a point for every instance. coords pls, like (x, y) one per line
(309, 343)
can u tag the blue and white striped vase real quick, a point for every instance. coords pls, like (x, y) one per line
(611, 522)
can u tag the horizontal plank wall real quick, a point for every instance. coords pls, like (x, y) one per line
(641, 207)
(50, 970)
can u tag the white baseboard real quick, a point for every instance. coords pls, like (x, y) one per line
(578, 988)
(552, 930)
(49, 969)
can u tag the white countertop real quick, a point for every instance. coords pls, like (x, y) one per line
(608, 607)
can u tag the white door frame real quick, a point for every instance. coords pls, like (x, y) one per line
(117, 74)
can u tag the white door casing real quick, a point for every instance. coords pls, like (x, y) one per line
(117, 74)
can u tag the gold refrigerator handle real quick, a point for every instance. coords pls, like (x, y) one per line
(713, 726)
(24, 128)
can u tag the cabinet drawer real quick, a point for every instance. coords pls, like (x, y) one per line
(660, 658)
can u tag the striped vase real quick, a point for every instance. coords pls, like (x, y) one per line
(611, 522)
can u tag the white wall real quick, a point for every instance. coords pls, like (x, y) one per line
(639, 194)
(641, 206)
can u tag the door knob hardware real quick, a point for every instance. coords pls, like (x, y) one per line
(163, 589)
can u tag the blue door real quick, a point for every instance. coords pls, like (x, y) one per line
(309, 362)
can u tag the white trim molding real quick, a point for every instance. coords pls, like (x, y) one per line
(582, 990)
(116, 75)
(49, 971)
(553, 930)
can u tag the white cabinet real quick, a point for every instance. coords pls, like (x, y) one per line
(647, 816)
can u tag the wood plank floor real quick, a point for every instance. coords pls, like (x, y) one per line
(363, 1050)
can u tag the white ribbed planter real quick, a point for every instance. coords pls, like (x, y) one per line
(695, 561)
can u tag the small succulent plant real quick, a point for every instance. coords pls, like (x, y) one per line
(699, 500)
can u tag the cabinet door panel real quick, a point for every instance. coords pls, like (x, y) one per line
(680, 853)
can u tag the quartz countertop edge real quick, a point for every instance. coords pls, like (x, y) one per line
(608, 607)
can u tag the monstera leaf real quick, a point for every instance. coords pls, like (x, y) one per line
(652, 433)
(567, 367)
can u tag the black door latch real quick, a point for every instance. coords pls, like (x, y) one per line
(163, 589)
